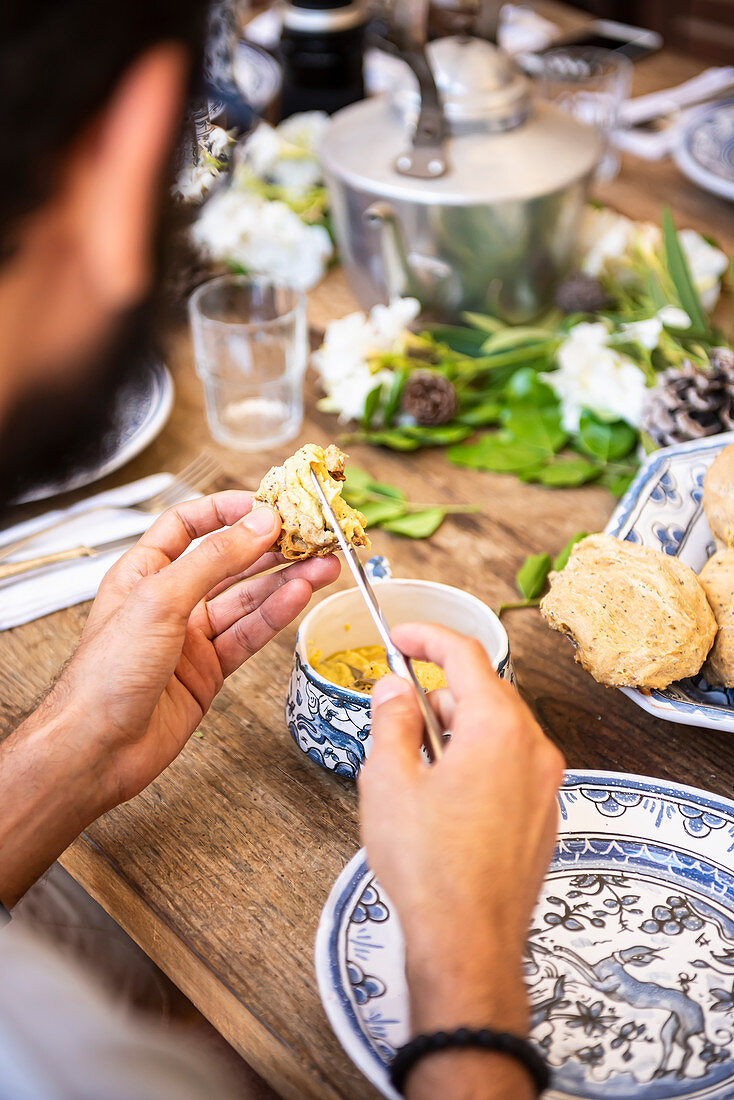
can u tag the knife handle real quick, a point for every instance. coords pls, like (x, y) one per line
(28, 565)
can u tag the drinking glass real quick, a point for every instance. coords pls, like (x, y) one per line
(591, 83)
(251, 349)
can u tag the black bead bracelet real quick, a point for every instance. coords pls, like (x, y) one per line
(464, 1038)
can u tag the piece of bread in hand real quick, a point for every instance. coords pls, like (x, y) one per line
(288, 489)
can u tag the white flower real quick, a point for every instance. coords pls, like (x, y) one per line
(287, 156)
(608, 244)
(605, 238)
(266, 238)
(591, 375)
(194, 182)
(706, 263)
(649, 331)
(343, 360)
(219, 141)
(306, 130)
(674, 317)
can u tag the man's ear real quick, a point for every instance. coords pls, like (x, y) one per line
(113, 183)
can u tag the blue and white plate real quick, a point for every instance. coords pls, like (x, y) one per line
(630, 956)
(705, 152)
(663, 509)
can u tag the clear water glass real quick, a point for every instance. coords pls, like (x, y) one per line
(591, 83)
(251, 349)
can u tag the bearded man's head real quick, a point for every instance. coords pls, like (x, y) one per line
(93, 95)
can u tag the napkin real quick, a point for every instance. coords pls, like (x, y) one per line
(64, 585)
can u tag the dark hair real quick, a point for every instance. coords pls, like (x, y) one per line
(59, 63)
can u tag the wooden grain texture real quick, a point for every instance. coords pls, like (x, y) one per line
(220, 869)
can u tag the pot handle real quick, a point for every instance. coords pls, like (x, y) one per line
(399, 281)
(426, 159)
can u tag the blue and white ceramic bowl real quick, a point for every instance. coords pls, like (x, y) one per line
(663, 509)
(331, 724)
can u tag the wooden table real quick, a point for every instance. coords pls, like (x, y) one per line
(220, 869)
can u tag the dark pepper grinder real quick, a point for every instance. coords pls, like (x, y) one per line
(322, 53)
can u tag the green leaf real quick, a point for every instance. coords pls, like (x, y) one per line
(440, 436)
(516, 337)
(606, 440)
(371, 404)
(457, 338)
(561, 559)
(356, 480)
(563, 473)
(378, 511)
(679, 271)
(477, 416)
(525, 385)
(617, 483)
(392, 401)
(532, 473)
(417, 525)
(493, 452)
(394, 438)
(384, 490)
(532, 575)
(483, 321)
(539, 427)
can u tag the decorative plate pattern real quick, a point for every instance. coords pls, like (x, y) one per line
(142, 408)
(663, 509)
(629, 961)
(705, 152)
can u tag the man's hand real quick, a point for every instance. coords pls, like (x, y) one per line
(461, 848)
(165, 630)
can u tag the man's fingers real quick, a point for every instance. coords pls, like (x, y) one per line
(250, 634)
(175, 530)
(444, 706)
(180, 586)
(397, 725)
(468, 669)
(247, 596)
(269, 560)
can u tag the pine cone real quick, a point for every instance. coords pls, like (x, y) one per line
(690, 402)
(429, 398)
(722, 359)
(580, 293)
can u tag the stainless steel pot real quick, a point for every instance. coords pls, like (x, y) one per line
(468, 199)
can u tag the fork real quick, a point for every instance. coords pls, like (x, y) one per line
(193, 478)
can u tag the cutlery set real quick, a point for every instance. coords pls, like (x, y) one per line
(192, 479)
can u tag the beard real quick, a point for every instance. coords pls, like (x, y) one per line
(57, 429)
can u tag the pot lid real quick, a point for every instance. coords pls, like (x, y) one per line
(479, 85)
(550, 151)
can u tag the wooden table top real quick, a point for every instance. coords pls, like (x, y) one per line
(221, 868)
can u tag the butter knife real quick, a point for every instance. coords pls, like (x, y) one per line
(398, 663)
(31, 565)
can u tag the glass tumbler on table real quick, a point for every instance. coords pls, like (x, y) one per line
(251, 349)
(590, 83)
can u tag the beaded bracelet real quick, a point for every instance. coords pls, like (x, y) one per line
(462, 1039)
